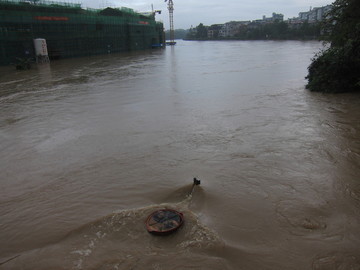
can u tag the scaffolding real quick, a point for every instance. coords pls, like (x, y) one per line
(71, 31)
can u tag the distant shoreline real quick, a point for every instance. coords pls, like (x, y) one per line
(259, 39)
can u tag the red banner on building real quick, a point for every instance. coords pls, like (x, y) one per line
(50, 18)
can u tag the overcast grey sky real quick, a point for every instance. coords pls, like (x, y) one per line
(189, 13)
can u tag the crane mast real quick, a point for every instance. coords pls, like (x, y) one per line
(171, 19)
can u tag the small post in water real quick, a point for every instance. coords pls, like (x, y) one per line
(196, 183)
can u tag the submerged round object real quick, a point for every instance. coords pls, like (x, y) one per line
(164, 221)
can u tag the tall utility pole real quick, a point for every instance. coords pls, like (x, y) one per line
(171, 19)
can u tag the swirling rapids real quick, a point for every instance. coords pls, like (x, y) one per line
(120, 241)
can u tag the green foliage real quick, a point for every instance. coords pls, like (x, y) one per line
(343, 22)
(201, 31)
(337, 69)
(197, 33)
(178, 34)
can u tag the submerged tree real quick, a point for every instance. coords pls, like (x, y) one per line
(336, 69)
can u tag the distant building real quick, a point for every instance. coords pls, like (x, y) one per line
(213, 30)
(230, 29)
(233, 28)
(258, 23)
(275, 17)
(304, 16)
(295, 23)
(314, 15)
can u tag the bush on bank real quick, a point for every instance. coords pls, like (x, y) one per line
(336, 69)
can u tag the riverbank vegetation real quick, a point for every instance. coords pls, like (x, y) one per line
(178, 34)
(336, 69)
(278, 30)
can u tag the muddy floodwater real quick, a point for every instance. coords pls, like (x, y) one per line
(89, 147)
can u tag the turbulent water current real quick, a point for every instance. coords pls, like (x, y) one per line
(91, 146)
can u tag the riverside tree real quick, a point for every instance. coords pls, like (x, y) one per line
(336, 69)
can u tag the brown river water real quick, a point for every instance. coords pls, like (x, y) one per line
(91, 146)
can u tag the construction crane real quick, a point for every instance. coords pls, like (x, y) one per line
(153, 12)
(171, 19)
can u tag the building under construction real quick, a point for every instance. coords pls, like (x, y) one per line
(67, 30)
